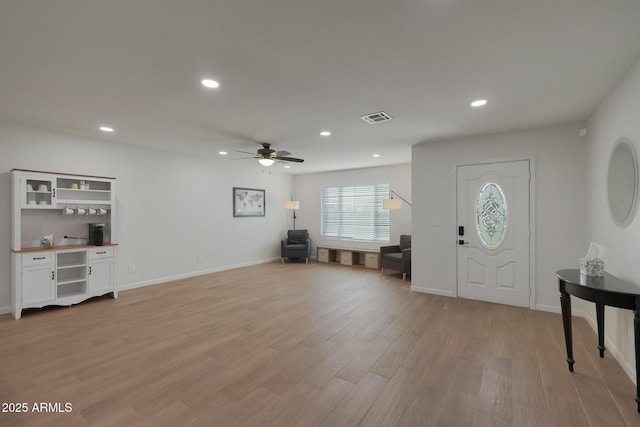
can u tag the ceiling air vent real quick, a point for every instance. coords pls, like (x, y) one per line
(378, 117)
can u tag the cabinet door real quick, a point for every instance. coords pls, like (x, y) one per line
(101, 276)
(38, 284)
(38, 191)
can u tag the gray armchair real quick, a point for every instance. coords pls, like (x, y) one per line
(297, 245)
(397, 257)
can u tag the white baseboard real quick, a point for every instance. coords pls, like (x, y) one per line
(427, 290)
(165, 279)
(579, 313)
(5, 310)
(628, 369)
(549, 308)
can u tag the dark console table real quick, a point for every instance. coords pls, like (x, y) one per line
(607, 290)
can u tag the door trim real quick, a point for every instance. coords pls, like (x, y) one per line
(532, 218)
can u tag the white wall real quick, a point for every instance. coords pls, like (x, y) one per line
(561, 200)
(616, 117)
(307, 188)
(171, 209)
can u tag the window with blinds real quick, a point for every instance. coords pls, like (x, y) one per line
(355, 212)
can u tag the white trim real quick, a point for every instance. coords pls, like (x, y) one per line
(192, 274)
(434, 291)
(628, 369)
(577, 313)
(532, 232)
(549, 308)
(532, 219)
(5, 310)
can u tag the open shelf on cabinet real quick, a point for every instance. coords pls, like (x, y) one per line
(71, 268)
(67, 195)
(76, 279)
(86, 191)
(71, 259)
(344, 256)
(72, 289)
(71, 275)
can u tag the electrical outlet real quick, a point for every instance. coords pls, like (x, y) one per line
(132, 268)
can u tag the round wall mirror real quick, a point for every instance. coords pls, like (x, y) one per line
(622, 182)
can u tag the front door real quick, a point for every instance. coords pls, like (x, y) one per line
(493, 232)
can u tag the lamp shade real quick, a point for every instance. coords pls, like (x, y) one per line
(266, 162)
(392, 204)
(292, 204)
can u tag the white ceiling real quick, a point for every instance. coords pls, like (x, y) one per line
(291, 68)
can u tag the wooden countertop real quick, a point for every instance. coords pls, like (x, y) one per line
(57, 248)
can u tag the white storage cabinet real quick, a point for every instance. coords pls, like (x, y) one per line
(67, 273)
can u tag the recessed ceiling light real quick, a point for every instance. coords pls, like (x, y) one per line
(376, 155)
(325, 133)
(222, 153)
(211, 84)
(478, 102)
(287, 167)
(106, 129)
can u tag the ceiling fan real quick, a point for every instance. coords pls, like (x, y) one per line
(266, 156)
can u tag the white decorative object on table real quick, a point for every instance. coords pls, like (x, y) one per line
(592, 267)
(593, 263)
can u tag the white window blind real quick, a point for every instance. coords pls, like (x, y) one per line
(355, 212)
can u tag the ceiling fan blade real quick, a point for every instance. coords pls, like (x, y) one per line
(290, 159)
(245, 152)
(244, 158)
(281, 153)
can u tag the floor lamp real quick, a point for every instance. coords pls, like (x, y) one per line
(392, 203)
(293, 205)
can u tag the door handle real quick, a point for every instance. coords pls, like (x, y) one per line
(462, 242)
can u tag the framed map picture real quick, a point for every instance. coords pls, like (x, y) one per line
(248, 202)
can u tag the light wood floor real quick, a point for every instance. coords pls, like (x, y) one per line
(305, 345)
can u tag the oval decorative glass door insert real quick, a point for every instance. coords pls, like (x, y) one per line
(491, 215)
